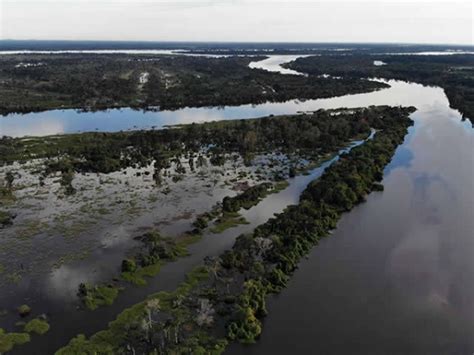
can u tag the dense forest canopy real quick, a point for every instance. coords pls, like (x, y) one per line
(317, 133)
(37, 82)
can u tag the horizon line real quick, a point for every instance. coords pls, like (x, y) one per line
(233, 42)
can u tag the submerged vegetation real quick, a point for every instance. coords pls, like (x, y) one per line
(8, 341)
(96, 296)
(157, 250)
(24, 310)
(224, 300)
(37, 326)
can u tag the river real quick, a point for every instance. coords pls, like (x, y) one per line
(396, 275)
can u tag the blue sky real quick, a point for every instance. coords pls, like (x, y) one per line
(417, 21)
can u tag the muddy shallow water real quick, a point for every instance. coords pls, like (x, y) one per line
(394, 278)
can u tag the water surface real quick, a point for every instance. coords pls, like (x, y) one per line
(396, 277)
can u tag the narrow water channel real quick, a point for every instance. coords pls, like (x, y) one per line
(63, 328)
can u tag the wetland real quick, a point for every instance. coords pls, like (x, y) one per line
(128, 214)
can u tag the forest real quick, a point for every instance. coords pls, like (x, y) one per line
(319, 132)
(97, 82)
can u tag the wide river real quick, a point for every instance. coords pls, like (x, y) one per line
(396, 277)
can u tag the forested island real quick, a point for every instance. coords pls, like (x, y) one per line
(224, 300)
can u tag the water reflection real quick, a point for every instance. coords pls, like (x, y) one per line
(273, 63)
(71, 121)
(396, 277)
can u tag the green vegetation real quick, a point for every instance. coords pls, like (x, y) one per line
(67, 177)
(37, 326)
(226, 221)
(6, 197)
(9, 340)
(247, 199)
(269, 256)
(229, 293)
(139, 275)
(227, 216)
(320, 132)
(282, 185)
(155, 251)
(6, 219)
(160, 323)
(96, 296)
(95, 82)
(24, 310)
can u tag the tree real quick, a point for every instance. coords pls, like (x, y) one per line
(205, 316)
(201, 161)
(67, 177)
(9, 178)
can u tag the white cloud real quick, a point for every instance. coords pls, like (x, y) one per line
(239, 20)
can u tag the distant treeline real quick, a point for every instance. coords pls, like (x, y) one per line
(219, 47)
(317, 133)
(95, 82)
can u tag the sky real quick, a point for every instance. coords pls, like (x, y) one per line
(417, 21)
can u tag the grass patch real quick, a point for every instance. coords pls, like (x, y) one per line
(96, 296)
(280, 186)
(24, 310)
(37, 326)
(9, 340)
(149, 265)
(31, 228)
(14, 277)
(137, 277)
(5, 219)
(228, 220)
